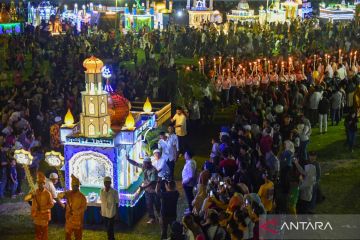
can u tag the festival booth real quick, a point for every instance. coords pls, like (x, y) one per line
(99, 144)
(12, 21)
(200, 14)
(337, 12)
(139, 17)
(242, 13)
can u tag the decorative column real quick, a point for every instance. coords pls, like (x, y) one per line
(211, 7)
(188, 4)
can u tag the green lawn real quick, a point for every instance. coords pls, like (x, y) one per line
(141, 58)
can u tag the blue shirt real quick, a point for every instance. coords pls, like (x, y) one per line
(13, 172)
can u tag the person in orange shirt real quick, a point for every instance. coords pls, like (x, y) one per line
(40, 208)
(75, 209)
(266, 193)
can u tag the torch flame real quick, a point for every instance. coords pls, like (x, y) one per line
(69, 119)
(130, 121)
(147, 106)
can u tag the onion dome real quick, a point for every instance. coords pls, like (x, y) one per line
(93, 65)
(118, 109)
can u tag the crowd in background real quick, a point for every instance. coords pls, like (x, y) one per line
(258, 165)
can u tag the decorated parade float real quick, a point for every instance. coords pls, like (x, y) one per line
(141, 16)
(272, 14)
(12, 21)
(285, 11)
(162, 11)
(109, 130)
(41, 13)
(200, 14)
(85, 16)
(242, 13)
(337, 12)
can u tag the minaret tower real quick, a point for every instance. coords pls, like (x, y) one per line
(94, 119)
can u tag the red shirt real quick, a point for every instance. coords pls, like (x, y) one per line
(266, 144)
(227, 163)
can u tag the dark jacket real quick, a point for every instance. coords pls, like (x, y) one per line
(324, 106)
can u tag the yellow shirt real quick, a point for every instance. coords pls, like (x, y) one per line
(180, 121)
(266, 193)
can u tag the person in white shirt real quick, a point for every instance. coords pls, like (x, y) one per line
(342, 72)
(163, 146)
(306, 185)
(173, 148)
(330, 71)
(159, 162)
(180, 127)
(189, 178)
(109, 206)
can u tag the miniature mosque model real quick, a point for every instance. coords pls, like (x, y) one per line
(200, 14)
(242, 13)
(93, 148)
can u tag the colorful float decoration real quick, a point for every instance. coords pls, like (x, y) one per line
(199, 14)
(41, 13)
(93, 149)
(337, 12)
(12, 21)
(162, 11)
(242, 13)
(141, 16)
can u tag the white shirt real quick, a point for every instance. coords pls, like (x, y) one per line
(160, 166)
(109, 202)
(188, 171)
(306, 186)
(342, 73)
(330, 70)
(173, 145)
(164, 148)
(180, 120)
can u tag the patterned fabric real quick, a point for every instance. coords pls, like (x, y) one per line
(55, 136)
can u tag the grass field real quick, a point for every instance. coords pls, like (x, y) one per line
(340, 184)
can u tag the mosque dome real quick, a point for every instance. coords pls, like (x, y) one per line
(93, 65)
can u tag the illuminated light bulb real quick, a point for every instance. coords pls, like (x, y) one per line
(147, 106)
(130, 121)
(69, 119)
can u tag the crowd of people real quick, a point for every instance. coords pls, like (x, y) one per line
(258, 164)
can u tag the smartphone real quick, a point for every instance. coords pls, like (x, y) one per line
(211, 193)
(246, 202)
(221, 183)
